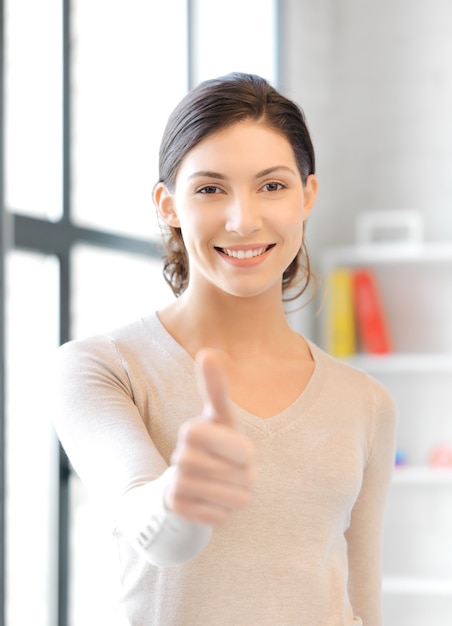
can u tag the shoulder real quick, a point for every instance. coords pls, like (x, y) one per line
(358, 386)
(108, 346)
(132, 354)
(105, 354)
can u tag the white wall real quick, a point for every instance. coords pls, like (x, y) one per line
(375, 80)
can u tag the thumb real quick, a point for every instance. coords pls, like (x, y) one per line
(214, 387)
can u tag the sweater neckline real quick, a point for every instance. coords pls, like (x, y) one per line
(299, 407)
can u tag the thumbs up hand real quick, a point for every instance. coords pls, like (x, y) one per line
(213, 459)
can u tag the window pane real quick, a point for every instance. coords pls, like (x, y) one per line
(234, 37)
(129, 71)
(114, 288)
(32, 455)
(33, 111)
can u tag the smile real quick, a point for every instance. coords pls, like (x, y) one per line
(242, 253)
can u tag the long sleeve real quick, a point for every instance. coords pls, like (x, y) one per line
(106, 441)
(364, 536)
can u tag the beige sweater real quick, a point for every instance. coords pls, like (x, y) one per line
(307, 550)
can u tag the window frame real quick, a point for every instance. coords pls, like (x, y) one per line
(4, 233)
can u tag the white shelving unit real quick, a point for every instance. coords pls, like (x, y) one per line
(415, 283)
(422, 475)
(412, 253)
(418, 586)
(409, 362)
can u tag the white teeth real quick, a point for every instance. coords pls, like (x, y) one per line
(244, 254)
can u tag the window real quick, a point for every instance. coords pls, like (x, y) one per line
(87, 90)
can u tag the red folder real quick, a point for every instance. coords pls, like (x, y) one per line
(370, 319)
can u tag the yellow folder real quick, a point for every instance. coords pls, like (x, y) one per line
(340, 321)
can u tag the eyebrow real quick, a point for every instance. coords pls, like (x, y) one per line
(275, 168)
(207, 174)
(217, 175)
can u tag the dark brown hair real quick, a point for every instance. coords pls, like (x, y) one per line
(212, 106)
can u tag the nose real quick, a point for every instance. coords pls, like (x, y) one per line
(243, 216)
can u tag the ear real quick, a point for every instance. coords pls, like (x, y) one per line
(164, 202)
(310, 194)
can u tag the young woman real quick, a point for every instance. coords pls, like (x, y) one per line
(247, 470)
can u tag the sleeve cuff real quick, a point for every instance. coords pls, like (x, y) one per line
(162, 537)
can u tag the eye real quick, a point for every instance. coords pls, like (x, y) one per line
(273, 186)
(209, 189)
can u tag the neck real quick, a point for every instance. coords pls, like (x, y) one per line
(238, 326)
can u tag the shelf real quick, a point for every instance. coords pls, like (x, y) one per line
(389, 253)
(422, 475)
(402, 363)
(417, 586)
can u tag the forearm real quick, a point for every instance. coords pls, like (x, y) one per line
(163, 538)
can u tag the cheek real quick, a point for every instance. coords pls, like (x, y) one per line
(293, 234)
(199, 223)
(291, 223)
(198, 230)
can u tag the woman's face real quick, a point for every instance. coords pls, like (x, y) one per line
(240, 203)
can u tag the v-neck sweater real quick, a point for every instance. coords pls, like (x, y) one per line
(307, 549)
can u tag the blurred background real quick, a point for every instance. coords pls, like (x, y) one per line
(86, 88)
